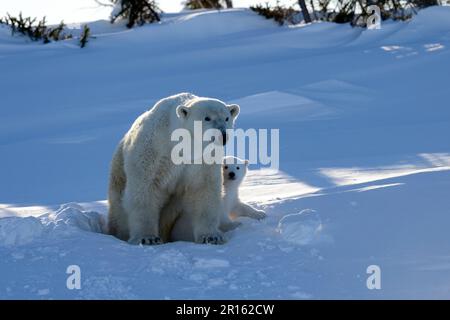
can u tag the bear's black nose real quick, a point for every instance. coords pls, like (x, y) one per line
(231, 175)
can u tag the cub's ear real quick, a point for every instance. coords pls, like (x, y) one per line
(234, 110)
(182, 112)
(246, 163)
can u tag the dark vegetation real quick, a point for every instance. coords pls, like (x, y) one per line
(355, 12)
(208, 4)
(38, 30)
(136, 12)
(85, 34)
(281, 14)
(35, 30)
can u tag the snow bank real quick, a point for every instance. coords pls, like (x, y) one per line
(72, 215)
(16, 231)
(69, 218)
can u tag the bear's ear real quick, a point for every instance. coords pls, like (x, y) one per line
(182, 112)
(246, 163)
(234, 110)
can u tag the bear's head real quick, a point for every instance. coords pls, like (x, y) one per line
(211, 113)
(234, 170)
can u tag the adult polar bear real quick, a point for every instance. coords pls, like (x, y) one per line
(144, 180)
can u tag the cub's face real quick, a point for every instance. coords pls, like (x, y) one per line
(234, 170)
(213, 114)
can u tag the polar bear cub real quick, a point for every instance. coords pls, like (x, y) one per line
(234, 171)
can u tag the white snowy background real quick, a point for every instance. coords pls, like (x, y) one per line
(364, 119)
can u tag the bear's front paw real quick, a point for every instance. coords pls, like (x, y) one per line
(148, 240)
(259, 214)
(212, 239)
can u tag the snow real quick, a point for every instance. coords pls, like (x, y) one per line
(364, 158)
(302, 228)
(17, 231)
(67, 219)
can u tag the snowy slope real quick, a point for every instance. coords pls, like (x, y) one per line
(364, 123)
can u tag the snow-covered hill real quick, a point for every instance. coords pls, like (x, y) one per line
(364, 125)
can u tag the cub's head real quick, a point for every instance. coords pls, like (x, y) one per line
(213, 114)
(234, 170)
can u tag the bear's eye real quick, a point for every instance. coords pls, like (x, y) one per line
(226, 119)
(237, 168)
(226, 167)
(207, 119)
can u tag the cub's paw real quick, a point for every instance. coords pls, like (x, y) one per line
(215, 238)
(148, 240)
(257, 214)
(260, 214)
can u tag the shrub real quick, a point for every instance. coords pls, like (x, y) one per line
(84, 36)
(35, 31)
(136, 12)
(278, 13)
(208, 4)
(425, 3)
(356, 12)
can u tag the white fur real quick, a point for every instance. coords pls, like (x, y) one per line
(233, 206)
(148, 192)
